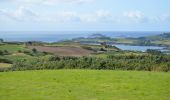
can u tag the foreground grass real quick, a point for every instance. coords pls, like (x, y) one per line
(84, 85)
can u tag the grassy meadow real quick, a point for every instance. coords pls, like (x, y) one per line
(84, 85)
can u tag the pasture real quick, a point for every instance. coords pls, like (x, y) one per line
(84, 85)
(12, 48)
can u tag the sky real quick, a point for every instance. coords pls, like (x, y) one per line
(84, 15)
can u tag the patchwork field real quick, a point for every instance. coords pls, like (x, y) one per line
(84, 85)
(63, 51)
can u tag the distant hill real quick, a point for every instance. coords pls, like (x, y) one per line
(94, 36)
(155, 40)
(97, 35)
(161, 40)
(157, 37)
(165, 35)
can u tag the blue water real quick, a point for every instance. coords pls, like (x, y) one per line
(138, 48)
(48, 36)
(135, 48)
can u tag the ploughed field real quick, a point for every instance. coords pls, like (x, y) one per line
(63, 51)
(84, 85)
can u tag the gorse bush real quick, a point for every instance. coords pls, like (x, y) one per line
(126, 62)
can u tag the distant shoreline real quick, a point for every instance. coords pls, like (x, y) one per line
(55, 36)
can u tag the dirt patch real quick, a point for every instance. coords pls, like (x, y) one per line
(63, 51)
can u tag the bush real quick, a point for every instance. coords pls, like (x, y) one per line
(54, 58)
(113, 62)
(3, 60)
(34, 50)
(19, 51)
(151, 51)
(86, 47)
(45, 53)
(101, 49)
(6, 52)
(1, 52)
(27, 52)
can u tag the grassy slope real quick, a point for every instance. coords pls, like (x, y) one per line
(14, 55)
(165, 42)
(84, 85)
(125, 40)
(12, 48)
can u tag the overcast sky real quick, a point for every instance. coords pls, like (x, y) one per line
(85, 15)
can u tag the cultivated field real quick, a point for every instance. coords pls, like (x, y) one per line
(63, 51)
(84, 85)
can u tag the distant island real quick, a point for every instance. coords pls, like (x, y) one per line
(157, 40)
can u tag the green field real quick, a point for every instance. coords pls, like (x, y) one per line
(12, 48)
(3, 65)
(84, 85)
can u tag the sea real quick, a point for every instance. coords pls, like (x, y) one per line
(55, 36)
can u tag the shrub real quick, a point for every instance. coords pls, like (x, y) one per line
(86, 47)
(3, 60)
(151, 51)
(54, 58)
(19, 51)
(6, 52)
(45, 53)
(34, 50)
(101, 49)
(1, 52)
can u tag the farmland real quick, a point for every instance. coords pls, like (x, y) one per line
(63, 51)
(77, 56)
(84, 85)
